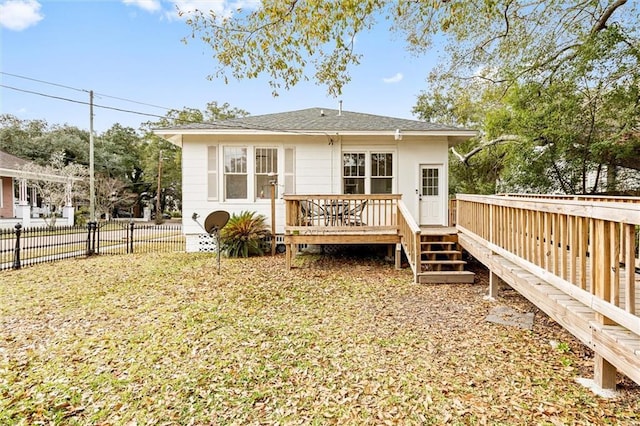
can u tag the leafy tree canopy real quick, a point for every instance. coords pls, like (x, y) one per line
(501, 40)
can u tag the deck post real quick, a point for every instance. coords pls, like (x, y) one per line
(288, 255)
(494, 285)
(398, 256)
(604, 373)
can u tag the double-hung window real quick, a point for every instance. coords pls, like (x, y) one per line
(367, 172)
(266, 171)
(353, 172)
(235, 173)
(381, 173)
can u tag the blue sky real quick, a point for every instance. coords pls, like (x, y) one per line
(132, 49)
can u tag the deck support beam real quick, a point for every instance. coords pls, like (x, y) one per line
(494, 285)
(604, 373)
(398, 257)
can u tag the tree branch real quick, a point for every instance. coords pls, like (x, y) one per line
(501, 139)
(602, 22)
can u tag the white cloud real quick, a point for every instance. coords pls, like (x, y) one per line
(148, 5)
(171, 9)
(222, 8)
(395, 79)
(18, 15)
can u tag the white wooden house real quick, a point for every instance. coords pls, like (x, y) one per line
(230, 165)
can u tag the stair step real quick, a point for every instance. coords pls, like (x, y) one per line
(445, 277)
(444, 243)
(457, 252)
(443, 262)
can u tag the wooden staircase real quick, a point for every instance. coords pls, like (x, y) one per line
(441, 257)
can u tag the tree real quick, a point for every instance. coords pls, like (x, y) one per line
(118, 159)
(112, 194)
(59, 184)
(497, 52)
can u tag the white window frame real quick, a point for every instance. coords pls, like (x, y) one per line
(259, 192)
(367, 166)
(285, 175)
(246, 173)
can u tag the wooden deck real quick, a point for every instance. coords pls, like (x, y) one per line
(433, 252)
(575, 259)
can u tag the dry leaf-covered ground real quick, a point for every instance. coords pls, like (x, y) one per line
(163, 339)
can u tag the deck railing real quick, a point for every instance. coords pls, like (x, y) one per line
(593, 198)
(341, 212)
(583, 244)
(586, 249)
(410, 237)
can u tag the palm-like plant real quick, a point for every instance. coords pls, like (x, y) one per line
(244, 233)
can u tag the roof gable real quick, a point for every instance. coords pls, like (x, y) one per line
(318, 120)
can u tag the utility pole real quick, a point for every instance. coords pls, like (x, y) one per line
(92, 186)
(158, 212)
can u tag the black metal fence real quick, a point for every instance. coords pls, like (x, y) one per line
(28, 246)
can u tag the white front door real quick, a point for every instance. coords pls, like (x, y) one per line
(431, 195)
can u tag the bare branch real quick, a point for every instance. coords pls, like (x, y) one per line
(501, 139)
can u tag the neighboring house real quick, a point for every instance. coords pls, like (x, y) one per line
(230, 165)
(14, 178)
(10, 170)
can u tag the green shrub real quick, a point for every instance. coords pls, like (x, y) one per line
(243, 234)
(81, 216)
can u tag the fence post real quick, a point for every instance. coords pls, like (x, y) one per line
(94, 226)
(130, 248)
(16, 253)
(91, 237)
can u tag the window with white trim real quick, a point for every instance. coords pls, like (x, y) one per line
(353, 172)
(381, 173)
(212, 172)
(367, 172)
(266, 171)
(235, 173)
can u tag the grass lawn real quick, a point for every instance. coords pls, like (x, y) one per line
(163, 340)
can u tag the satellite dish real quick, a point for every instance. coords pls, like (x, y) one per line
(216, 221)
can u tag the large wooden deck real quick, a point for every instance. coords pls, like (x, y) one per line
(575, 258)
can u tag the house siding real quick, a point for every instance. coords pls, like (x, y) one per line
(318, 170)
(6, 197)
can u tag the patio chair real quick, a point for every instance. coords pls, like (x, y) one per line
(312, 213)
(353, 216)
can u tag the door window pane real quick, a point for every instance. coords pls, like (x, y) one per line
(430, 182)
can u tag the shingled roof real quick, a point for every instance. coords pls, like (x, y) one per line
(316, 120)
(11, 162)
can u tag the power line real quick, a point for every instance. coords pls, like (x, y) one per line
(132, 101)
(81, 102)
(83, 90)
(43, 82)
(238, 124)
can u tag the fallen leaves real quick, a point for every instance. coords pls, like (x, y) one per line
(163, 339)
